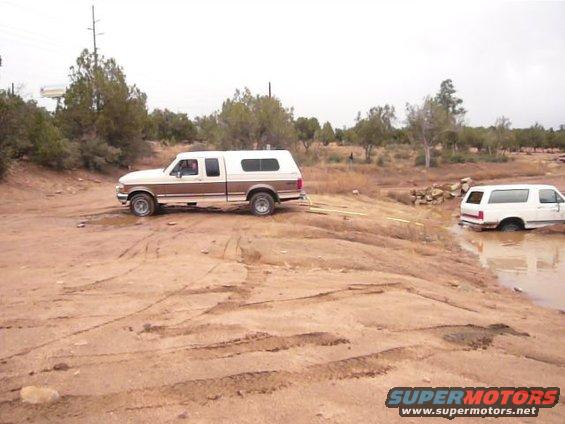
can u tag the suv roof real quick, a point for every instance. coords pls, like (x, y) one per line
(510, 186)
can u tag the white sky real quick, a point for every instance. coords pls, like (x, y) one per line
(327, 59)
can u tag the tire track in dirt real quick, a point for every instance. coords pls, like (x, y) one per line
(205, 390)
(102, 324)
(258, 342)
(352, 290)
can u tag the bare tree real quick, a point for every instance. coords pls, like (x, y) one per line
(427, 123)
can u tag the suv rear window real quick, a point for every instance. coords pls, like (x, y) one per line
(475, 197)
(257, 165)
(509, 196)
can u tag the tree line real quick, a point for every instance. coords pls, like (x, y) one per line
(105, 121)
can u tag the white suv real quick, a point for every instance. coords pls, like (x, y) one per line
(512, 207)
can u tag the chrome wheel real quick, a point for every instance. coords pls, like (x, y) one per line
(141, 207)
(262, 206)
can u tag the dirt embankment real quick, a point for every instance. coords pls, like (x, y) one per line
(222, 316)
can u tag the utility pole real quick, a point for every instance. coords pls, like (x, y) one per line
(269, 89)
(94, 34)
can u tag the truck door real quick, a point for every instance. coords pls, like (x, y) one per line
(184, 181)
(551, 207)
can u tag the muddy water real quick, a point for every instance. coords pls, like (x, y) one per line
(533, 262)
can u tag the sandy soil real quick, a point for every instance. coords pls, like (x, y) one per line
(226, 317)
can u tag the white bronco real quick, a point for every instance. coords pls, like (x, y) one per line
(512, 207)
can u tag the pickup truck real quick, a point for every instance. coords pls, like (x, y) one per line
(260, 177)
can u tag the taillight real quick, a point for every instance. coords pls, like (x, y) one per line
(481, 215)
(299, 184)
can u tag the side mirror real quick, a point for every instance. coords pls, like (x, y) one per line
(179, 174)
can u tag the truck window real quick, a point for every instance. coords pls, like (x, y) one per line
(186, 167)
(212, 167)
(509, 196)
(257, 165)
(547, 195)
(475, 197)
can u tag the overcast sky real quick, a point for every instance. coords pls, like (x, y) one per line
(329, 59)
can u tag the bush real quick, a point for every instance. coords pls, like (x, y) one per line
(96, 154)
(4, 161)
(421, 159)
(335, 158)
(468, 157)
(459, 158)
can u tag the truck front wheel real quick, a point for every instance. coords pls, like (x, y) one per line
(142, 204)
(262, 204)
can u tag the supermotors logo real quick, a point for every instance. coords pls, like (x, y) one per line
(451, 402)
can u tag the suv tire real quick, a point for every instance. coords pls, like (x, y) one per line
(142, 204)
(510, 226)
(262, 204)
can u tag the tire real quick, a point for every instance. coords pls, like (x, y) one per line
(142, 204)
(262, 204)
(510, 226)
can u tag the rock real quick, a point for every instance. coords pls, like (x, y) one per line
(466, 180)
(81, 225)
(355, 192)
(455, 187)
(81, 343)
(146, 327)
(284, 252)
(171, 223)
(34, 394)
(183, 415)
(436, 193)
(429, 198)
(465, 187)
(426, 380)
(205, 251)
(59, 192)
(61, 366)
(448, 195)
(518, 289)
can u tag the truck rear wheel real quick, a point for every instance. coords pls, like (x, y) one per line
(262, 204)
(142, 204)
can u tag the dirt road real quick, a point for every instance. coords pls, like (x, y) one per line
(221, 316)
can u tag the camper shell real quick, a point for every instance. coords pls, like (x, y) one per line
(260, 177)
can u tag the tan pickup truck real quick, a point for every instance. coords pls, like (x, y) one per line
(260, 177)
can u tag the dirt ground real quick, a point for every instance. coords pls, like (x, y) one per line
(219, 316)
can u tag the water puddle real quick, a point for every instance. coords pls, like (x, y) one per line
(533, 262)
(116, 220)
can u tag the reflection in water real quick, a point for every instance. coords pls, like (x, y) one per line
(534, 262)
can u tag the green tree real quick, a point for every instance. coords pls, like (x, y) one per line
(326, 134)
(446, 98)
(247, 121)
(375, 128)
(274, 123)
(237, 122)
(500, 136)
(99, 104)
(171, 126)
(427, 123)
(306, 129)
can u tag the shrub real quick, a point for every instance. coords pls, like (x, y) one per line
(96, 154)
(421, 159)
(335, 158)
